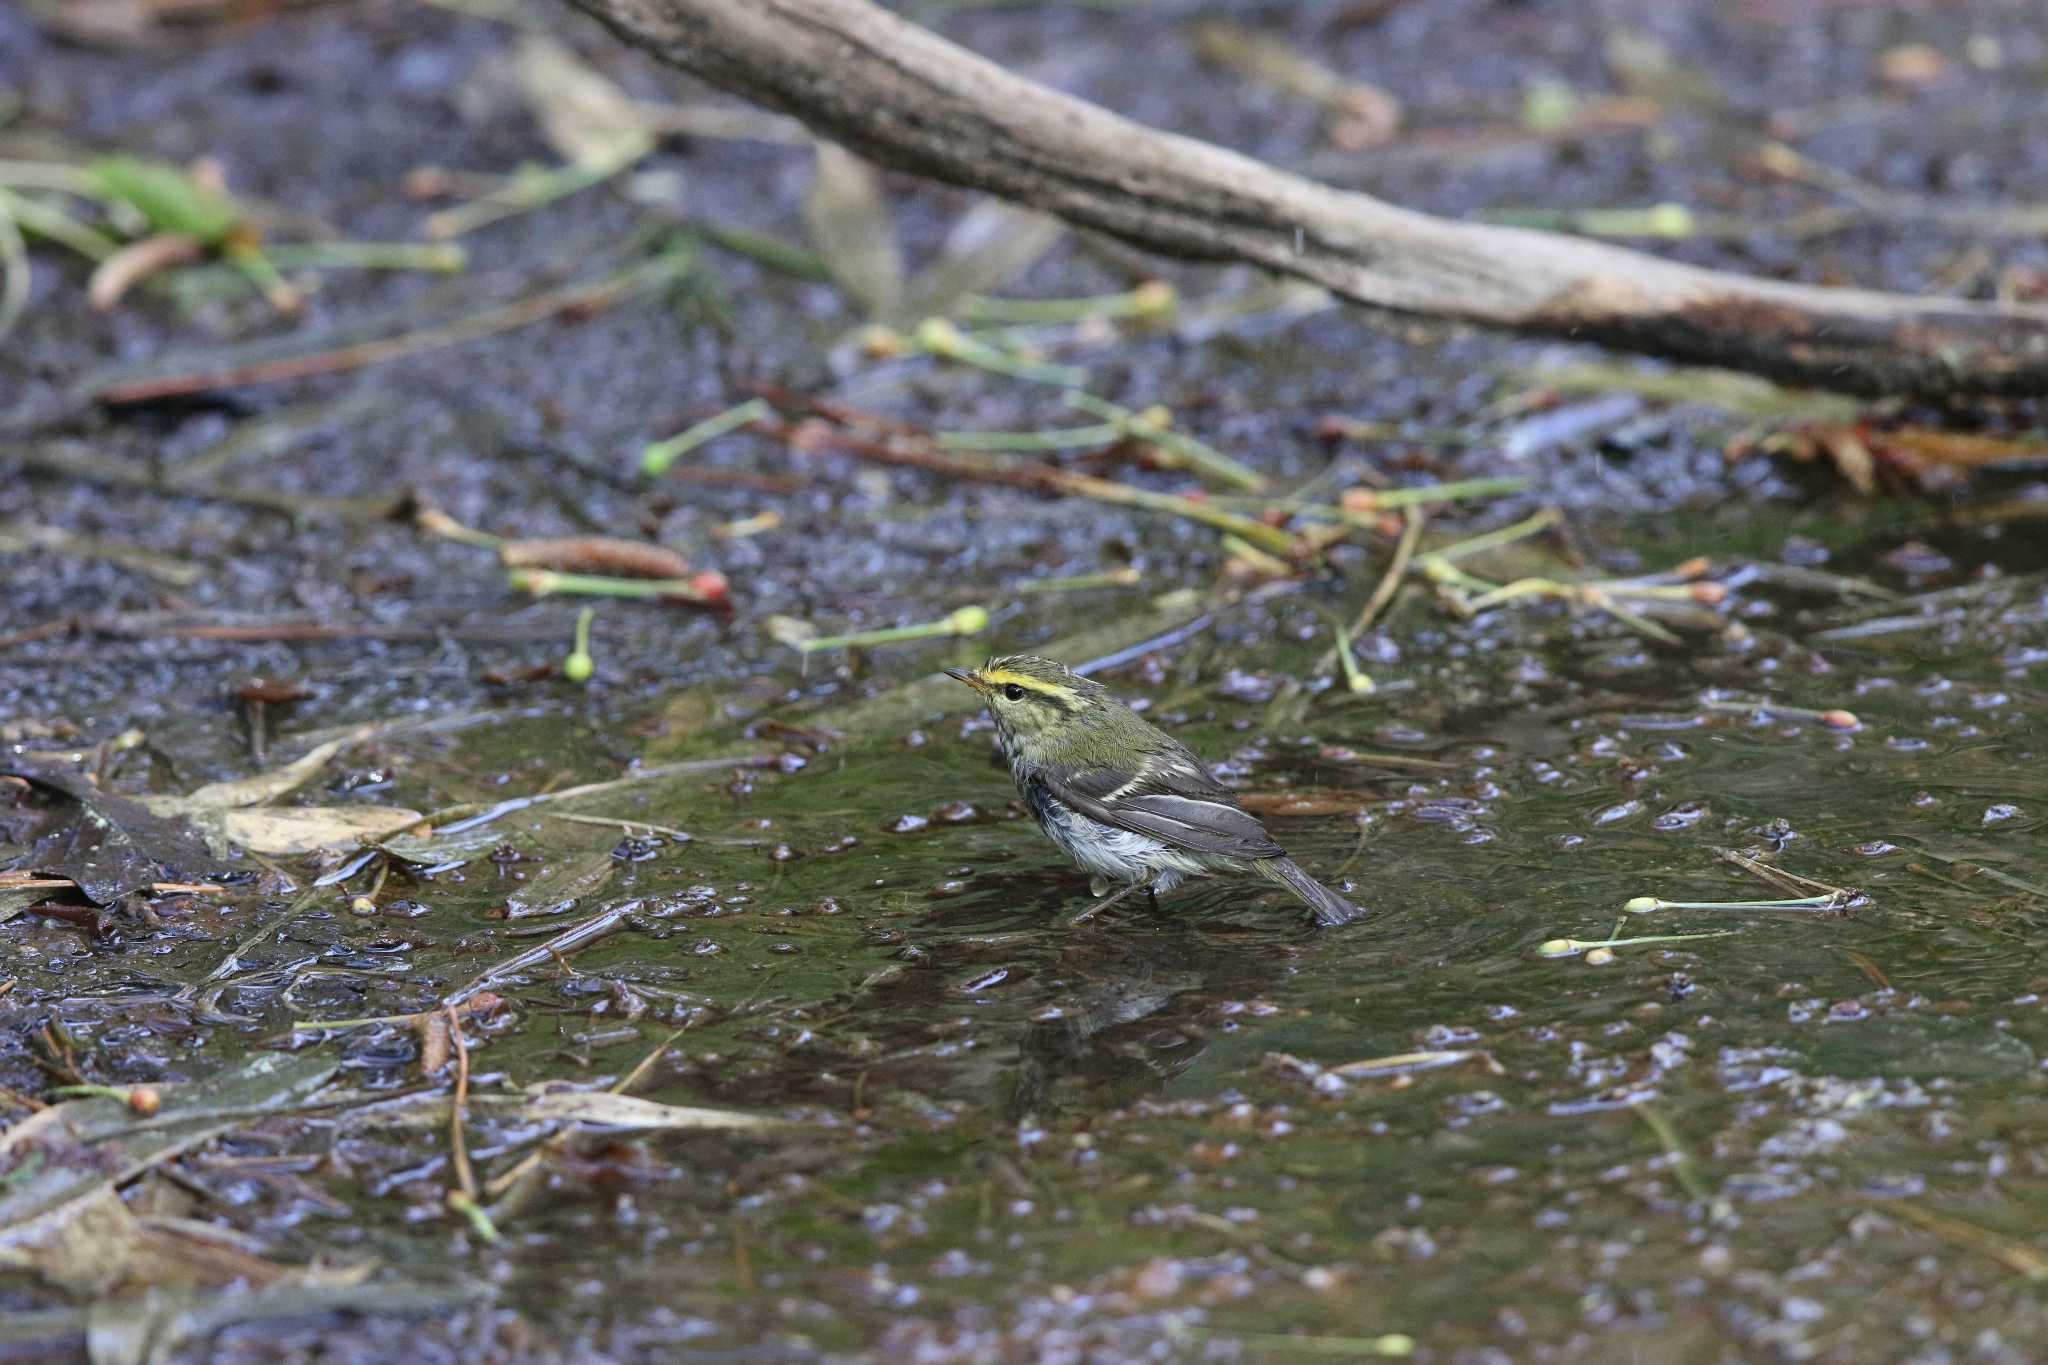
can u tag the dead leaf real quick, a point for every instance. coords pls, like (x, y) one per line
(15, 899)
(110, 845)
(1361, 114)
(303, 829)
(1644, 67)
(1912, 64)
(1844, 445)
(850, 225)
(604, 1109)
(1401, 1064)
(583, 115)
(567, 880)
(60, 1167)
(443, 851)
(989, 246)
(1961, 449)
(249, 791)
(152, 1327)
(435, 1044)
(789, 630)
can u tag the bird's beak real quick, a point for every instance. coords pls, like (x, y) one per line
(966, 675)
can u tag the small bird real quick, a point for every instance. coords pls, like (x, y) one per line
(1120, 796)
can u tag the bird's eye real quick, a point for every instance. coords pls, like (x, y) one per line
(1013, 692)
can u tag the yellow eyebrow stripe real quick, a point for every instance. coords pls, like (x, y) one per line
(1003, 677)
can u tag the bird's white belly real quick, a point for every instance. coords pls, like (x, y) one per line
(1119, 854)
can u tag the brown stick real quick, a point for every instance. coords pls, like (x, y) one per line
(905, 97)
(132, 628)
(585, 298)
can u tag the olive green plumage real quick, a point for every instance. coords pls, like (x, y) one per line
(1120, 796)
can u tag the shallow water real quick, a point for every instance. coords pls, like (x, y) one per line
(1015, 1135)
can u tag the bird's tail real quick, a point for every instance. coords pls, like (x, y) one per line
(1330, 908)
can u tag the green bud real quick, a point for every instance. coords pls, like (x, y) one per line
(938, 336)
(1641, 905)
(968, 621)
(1670, 220)
(579, 665)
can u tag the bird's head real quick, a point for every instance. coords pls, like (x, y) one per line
(1031, 697)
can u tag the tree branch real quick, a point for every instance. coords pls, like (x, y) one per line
(905, 97)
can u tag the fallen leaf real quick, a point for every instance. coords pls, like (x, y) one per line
(566, 881)
(63, 1163)
(1961, 449)
(110, 845)
(850, 225)
(151, 1327)
(1912, 64)
(253, 790)
(989, 246)
(440, 852)
(303, 829)
(1402, 1063)
(15, 899)
(436, 1046)
(604, 1109)
(583, 115)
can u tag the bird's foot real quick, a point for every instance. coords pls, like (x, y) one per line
(1092, 911)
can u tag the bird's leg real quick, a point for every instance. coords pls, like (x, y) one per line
(1092, 911)
(1152, 891)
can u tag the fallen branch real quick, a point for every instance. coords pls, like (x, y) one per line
(233, 372)
(905, 97)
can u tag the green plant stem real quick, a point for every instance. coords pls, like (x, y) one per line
(1635, 907)
(111, 1092)
(1257, 532)
(444, 258)
(888, 635)
(938, 337)
(1493, 540)
(1132, 303)
(57, 226)
(51, 175)
(1195, 454)
(1437, 492)
(1355, 679)
(531, 191)
(541, 582)
(1572, 947)
(656, 458)
(1067, 438)
(1082, 582)
(14, 272)
(772, 252)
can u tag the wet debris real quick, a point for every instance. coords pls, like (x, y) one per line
(110, 845)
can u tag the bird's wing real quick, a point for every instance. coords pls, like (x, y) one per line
(1172, 799)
